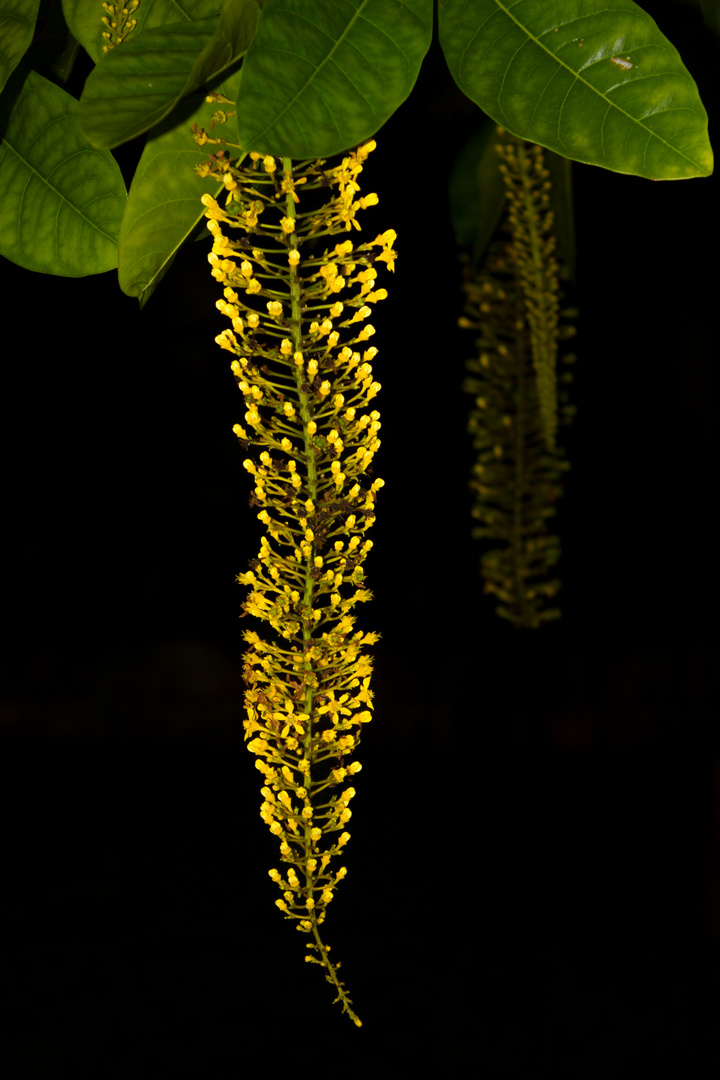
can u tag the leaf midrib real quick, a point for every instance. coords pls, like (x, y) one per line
(56, 191)
(320, 66)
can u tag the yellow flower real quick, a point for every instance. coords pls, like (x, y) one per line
(214, 210)
(296, 358)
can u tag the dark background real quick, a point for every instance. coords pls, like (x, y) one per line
(534, 874)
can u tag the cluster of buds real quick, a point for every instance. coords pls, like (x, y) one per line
(530, 220)
(516, 480)
(513, 303)
(118, 22)
(298, 306)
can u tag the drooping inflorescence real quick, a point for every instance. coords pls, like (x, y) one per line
(513, 302)
(530, 221)
(298, 306)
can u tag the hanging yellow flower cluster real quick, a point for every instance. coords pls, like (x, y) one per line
(530, 219)
(298, 309)
(512, 300)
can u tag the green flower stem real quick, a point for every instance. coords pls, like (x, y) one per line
(312, 483)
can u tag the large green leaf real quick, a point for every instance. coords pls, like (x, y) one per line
(593, 80)
(84, 17)
(476, 191)
(164, 205)
(323, 75)
(17, 23)
(138, 84)
(63, 199)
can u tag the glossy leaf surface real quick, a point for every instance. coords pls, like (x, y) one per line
(17, 23)
(593, 80)
(164, 200)
(63, 199)
(137, 85)
(323, 75)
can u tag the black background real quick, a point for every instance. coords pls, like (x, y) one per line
(534, 874)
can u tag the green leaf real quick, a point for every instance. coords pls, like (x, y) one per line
(324, 75)
(17, 23)
(138, 84)
(477, 192)
(84, 17)
(593, 80)
(164, 204)
(63, 199)
(64, 61)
